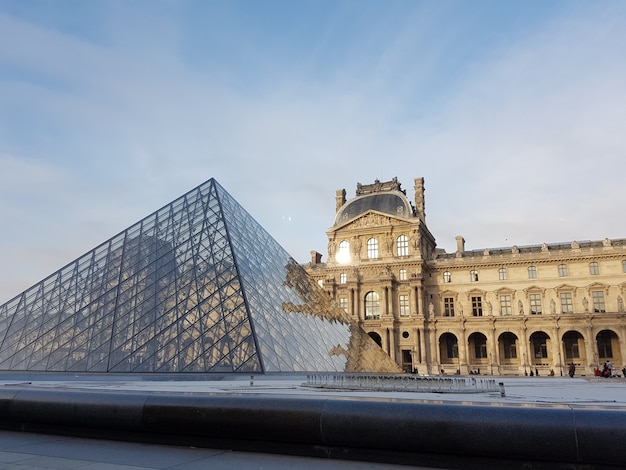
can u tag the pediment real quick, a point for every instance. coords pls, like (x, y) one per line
(372, 219)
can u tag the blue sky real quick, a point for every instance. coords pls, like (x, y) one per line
(513, 112)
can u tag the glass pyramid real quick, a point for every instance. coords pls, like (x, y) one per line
(198, 286)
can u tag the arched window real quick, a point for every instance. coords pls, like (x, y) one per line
(403, 245)
(372, 248)
(343, 253)
(372, 306)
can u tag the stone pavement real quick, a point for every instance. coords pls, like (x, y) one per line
(26, 451)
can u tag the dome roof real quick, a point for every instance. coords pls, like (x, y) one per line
(393, 203)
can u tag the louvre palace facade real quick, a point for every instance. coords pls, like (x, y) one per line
(507, 311)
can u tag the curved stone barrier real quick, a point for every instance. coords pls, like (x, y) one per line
(398, 431)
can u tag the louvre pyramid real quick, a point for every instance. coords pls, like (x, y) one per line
(197, 286)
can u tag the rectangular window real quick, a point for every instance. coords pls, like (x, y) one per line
(343, 278)
(404, 305)
(535, 304)
(477, 306)
(474, 276)
(594, 269)
(372, 248)
(505, 305)
(598, 301)
(447, 277)
(566, 302)
(532, 272)
(403, 245)
(562, 270)
(343, 303)
(502, 274)
(448, 306)
(403, 274)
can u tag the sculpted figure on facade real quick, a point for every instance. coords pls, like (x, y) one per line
(552, 307)
(331, 250)
(431, 310)
(520, 307)
(586, 304)
(356, 247)
(389, 243)
(620, 304)
(489, 307)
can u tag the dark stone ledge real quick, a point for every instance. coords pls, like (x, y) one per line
(395, 431)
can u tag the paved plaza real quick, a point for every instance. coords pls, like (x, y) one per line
(577, 391)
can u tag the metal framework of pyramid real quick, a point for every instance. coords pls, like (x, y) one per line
(198, 286)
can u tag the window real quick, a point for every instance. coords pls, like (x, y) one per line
(505, 305)
(477, 306)
(320, 282)
(447, 277)
(372, 248)
(570, 342)
(598, 301)
(480, 347)
(509, 344)
(562, 270)
(593, 268)
(566, 302)
(343, 278)
(474, 276)
(403, 275)
(535, 304)
(372, 306)
(404, 305)
(605, 349)
(343, 253)
(540, 345)
(448, 306)
(532, 272)
(343, 303)
(403, 245)
(624, 266)
(502, 274)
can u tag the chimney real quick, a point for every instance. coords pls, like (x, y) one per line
(460, 245)
(419, 199)
(316, 258)
(340, 199)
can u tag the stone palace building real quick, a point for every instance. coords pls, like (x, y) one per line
(507, 311)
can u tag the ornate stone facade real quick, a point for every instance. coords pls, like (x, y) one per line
(518, 310)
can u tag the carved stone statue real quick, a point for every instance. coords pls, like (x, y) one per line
(520, 307)
(489, 307)
(586, 304)
(620, 304)
(552, 307)
(431, 310)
